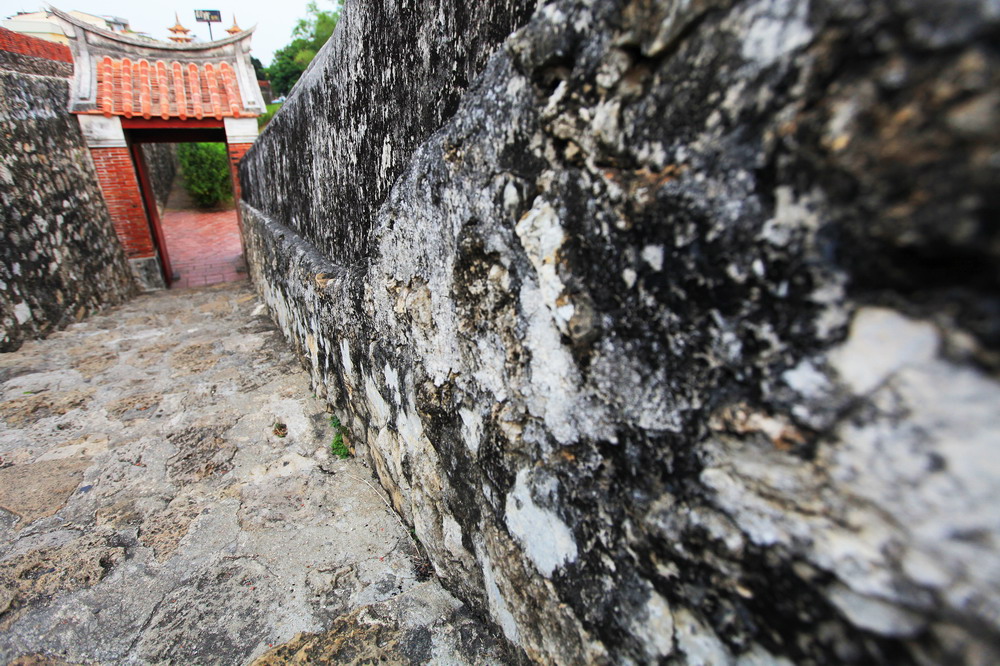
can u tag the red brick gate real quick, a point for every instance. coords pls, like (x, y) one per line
(128, 91)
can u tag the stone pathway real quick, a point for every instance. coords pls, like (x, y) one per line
(204, 245)
(151, 514)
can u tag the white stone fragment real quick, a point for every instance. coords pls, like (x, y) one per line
(489, 369)
(653, 255)
(874, 614)
(606, 122)
(700, 645)
(472, 426)
(925, 569)
(776, 29)
(345, 358)
(515, 86)
(377, 406)
(882, 342)
(452, 536)
(546, 539)
(753, 518)
(494, 598)
(806, 380)
(392, 381)
(542, 236)
(655, 627)
(410, 429)
(22, 312)
(554, 375)
(386, 162)
(511, 198)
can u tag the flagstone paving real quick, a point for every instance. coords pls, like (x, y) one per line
(149, 512)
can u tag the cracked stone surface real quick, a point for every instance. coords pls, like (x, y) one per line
(149, 514)
(677, 336)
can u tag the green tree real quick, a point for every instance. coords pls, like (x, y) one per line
(259, 70)
(205, 167)
(308, 37)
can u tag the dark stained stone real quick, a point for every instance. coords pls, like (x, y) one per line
(677, 337)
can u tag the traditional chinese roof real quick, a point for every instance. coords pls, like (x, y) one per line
(167, 89)
(120, 75)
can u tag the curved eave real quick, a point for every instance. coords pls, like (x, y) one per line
(172, 118)
(163, 46)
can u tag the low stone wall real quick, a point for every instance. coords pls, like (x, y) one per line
(59, 257)
(679, 339)
(162, 163)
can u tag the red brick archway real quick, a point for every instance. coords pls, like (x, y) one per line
(125, 182)
(127, 92)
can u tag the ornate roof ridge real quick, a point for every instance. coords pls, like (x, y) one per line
(133, 41)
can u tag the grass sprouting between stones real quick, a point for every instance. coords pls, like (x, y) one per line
(337, 446)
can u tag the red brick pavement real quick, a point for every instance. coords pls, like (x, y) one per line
(204, 247)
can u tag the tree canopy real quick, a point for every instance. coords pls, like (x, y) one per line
(259, 70)
(308, 37)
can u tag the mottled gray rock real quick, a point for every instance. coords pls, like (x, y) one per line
(59, 257)
(397, 71)
(19, 62)
(679, 339)
(151, 515)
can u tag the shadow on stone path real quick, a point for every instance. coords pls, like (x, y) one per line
(151, 515)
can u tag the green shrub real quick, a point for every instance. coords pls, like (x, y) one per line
(205, 167)
(337, 446)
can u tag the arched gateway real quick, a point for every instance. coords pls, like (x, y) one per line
(127, 91)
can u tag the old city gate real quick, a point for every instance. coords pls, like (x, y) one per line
(127, 91)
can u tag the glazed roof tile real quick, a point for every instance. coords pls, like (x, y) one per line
(164, 89)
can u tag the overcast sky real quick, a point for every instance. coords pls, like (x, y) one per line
(274, 18)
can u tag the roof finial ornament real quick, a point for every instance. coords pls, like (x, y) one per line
(180, 35)
(235, 28)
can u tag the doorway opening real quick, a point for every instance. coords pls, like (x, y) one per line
(127, 93)
(194, 241)
(199, 236)
(204, 244)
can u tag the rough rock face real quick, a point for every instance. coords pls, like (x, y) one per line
(679, 339)
(162, 163)
(397, 71)
(59, 257)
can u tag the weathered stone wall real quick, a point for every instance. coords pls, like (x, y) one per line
(679, 339)
(386, 57)
(59, 257)
(162, 163)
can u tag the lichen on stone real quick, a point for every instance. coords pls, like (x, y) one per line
(690, 311)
